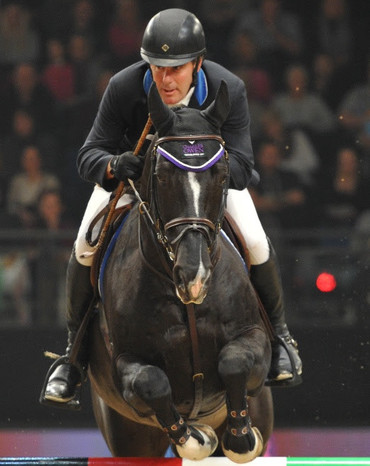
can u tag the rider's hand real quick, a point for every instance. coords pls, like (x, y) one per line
(127, 165)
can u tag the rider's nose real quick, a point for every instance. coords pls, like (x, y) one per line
(167, 76)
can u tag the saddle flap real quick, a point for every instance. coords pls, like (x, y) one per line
(233, 232)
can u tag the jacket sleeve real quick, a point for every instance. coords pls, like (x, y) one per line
(236, 133)
(103, 141)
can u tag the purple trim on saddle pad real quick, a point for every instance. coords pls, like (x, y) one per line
(187, 153)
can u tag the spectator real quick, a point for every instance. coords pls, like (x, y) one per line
(58, 74)
(125, 32)
(300, 108)
(244, 62)
(86, 67)
(244, 58)
(277, 35)
(84, 23)
(51, 212)
(24, 132)
(354, 111)
(298, 153)
(334, 32)
(345, 195)
(15, 288)
(219, 18)
(25, 187)
(49, 261)
(279, 197)
(7, 221)
(19, 40)
(328, 81)
(54, 18)
(28, 93)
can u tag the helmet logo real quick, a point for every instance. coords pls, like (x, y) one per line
(165, 48)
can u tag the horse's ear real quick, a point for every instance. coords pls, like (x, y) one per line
(160, 114)
(218, 110)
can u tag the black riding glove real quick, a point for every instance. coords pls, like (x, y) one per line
(127, 165)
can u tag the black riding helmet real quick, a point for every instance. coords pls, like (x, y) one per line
(173, 37)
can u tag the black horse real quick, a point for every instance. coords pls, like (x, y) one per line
(179, 353)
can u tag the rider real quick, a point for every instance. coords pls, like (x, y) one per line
(173, 50)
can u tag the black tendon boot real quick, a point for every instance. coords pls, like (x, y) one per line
(63, 380)
(286, 365)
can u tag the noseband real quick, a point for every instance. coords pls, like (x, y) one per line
(208, 228)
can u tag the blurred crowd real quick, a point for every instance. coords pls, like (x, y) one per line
(306, 67)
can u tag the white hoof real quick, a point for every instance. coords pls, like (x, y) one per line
(193, 450)
(241, 458)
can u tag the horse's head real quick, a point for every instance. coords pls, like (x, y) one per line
(189, 181)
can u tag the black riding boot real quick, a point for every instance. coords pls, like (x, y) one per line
(286, 365)
(61, 387)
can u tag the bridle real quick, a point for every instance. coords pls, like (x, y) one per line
(208, 228)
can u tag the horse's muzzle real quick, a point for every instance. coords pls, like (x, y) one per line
(193, 291)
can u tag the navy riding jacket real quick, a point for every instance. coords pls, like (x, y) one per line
(123, 112)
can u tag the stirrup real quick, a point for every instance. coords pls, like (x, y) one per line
(73, 404)
(296, 379)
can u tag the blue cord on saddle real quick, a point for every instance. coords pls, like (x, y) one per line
(107, 253)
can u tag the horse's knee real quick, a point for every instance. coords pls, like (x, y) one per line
(234, 365)
(151, 384)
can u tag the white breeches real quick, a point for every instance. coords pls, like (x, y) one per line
(239, 205)
(98, 200)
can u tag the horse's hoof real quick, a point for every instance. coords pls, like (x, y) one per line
(241, 458)
(193, 450)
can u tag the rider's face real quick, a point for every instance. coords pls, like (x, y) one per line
(173, 83)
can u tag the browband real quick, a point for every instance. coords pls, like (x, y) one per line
(191, 150)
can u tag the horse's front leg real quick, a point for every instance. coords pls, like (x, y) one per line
(145, 386)
(243, 366)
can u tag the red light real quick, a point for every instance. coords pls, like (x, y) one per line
(326, 282)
